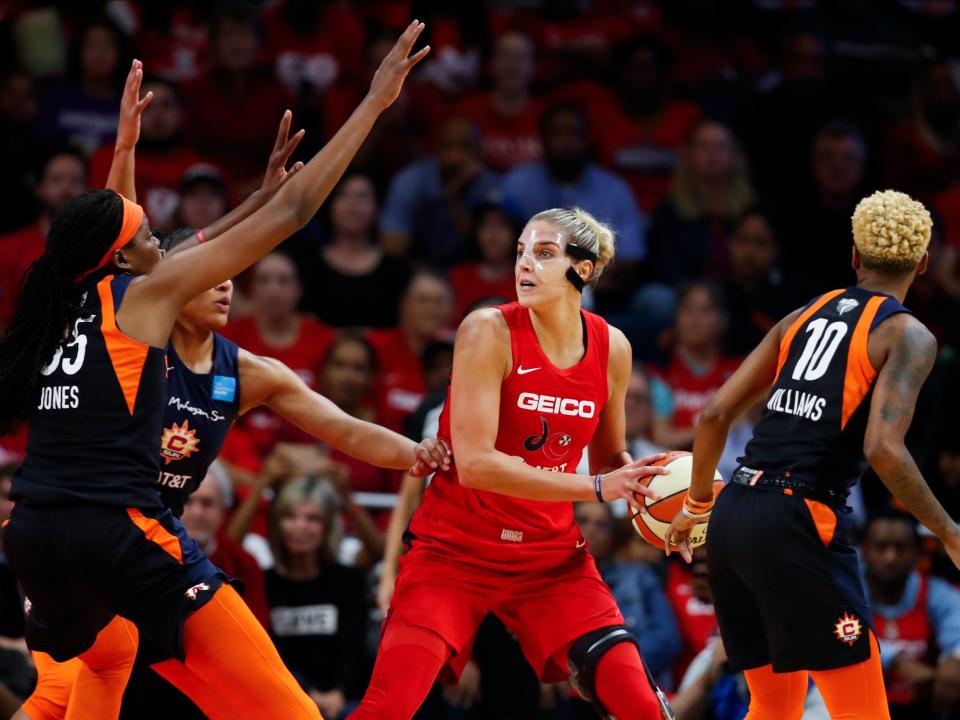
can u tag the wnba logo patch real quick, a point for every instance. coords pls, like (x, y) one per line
(848, 629)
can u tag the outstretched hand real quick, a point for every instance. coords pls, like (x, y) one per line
(431, 455)
(626, 482)
(393, 70)
(132, 107)
(283, 147)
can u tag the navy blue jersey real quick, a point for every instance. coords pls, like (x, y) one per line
(95, 418)
(200, 410)
(817, 410)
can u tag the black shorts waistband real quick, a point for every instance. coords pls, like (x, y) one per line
(796, 485)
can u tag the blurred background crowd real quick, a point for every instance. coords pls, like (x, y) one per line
(726, 142)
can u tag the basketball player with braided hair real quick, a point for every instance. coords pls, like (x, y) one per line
(210, 382)
(534, 383)
(841, 377)
(83, 363)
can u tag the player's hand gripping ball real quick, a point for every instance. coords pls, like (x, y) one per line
(672, 489)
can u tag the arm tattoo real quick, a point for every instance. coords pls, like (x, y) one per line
(910, 359)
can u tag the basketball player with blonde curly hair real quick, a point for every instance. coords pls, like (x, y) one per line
(841, 378)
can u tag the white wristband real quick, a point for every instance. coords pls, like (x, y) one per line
(692, 516)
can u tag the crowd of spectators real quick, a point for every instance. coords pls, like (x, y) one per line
(726, 142)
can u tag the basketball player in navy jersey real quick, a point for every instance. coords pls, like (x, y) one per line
(843, 375)
(83, 362)
(210, 383)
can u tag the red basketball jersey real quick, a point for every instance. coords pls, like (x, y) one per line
(547, 417)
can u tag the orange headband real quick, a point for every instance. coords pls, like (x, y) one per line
(132, 219)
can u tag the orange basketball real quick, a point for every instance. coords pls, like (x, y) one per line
(672, 489)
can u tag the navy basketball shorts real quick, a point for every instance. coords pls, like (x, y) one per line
(786, 586)
(81, 565)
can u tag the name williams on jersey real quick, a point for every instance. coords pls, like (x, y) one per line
(795, 402)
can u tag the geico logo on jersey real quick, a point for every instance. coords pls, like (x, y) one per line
(556, 405)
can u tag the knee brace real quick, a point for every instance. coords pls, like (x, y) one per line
(584, 657)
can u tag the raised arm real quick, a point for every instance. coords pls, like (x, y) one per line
(747, 385)
(270, 383)
(481, 361)
(911, 351)
(153, 301)
(122, 179)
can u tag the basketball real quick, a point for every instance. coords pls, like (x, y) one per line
(653, 524)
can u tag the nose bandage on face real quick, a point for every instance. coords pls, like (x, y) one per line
(541, 248)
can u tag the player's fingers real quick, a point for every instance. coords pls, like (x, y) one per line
(297, 166)
(427, 454)
(292, 143)
(283, 130)
(642, 489)
(685, 550)
(144, 101)
(420, 55)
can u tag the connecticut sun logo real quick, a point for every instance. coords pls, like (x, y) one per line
(848, 629)
(178, 442)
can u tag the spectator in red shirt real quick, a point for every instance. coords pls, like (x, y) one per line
(711, 189)
(347, 379)
(492, 275)
(640, 130)
(162, 155)
(232, 108)
(351, 263)
(275, 329)
(63, 176)
(507, 116)
(696, 369)
(425, 314)
(203, 517)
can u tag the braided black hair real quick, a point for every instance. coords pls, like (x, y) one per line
(50, 298)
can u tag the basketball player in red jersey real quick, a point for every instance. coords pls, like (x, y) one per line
(83, 362)
(845, 372)
(534, 383)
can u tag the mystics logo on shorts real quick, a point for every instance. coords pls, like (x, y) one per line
(178, 442)
(848, 629)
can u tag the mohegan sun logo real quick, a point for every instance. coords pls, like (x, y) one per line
(178, 442)
(848, 629)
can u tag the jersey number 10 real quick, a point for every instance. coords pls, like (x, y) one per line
(821, 347)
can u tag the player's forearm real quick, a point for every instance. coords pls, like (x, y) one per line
(377, 445)
(407, 501)
(497, 472)
(122, 176)
(711, 437)
(896, 468)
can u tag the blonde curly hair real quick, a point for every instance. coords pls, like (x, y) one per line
(891, 231)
